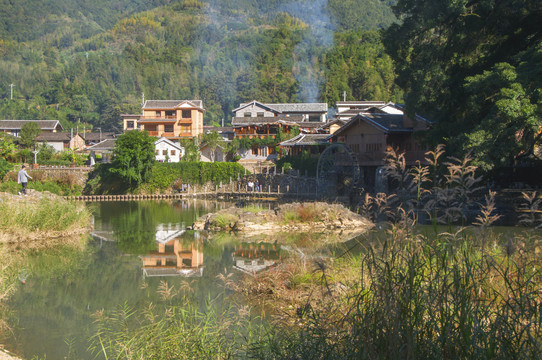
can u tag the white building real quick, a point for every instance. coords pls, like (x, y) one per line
(167, 151)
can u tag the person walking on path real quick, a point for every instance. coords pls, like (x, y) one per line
(22, 178)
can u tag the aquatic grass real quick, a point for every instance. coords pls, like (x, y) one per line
(42, 219)
(184, 331)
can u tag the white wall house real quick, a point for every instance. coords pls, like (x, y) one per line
(167, 151)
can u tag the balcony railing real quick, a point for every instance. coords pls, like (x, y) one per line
(155, 117)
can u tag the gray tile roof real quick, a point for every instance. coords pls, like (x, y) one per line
(56, 136)
(106, 145)
(95, 136)
(307, 139)
(297, 108)
(169, 104)
(18, 124)
(259, 120)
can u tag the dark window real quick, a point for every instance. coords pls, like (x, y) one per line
(157, 114)
(168, 128)
(260, 114)
(247, 114)
(187, 114)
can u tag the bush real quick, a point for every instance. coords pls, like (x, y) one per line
(164, 175)
(5, 167)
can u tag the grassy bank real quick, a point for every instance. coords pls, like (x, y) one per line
(38, 218)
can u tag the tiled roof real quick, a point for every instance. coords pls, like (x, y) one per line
(95, 136)
(289, 108)
(389, 122)
(170, 104)
(108, 144)
(56, 136)
(299, 108)
(259, 120)
(360, 103)
(18, 124)
(307, 139)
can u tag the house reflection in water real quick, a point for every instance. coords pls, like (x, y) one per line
(176, 254)
(252, 258)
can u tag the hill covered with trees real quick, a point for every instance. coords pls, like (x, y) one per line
(87, 62)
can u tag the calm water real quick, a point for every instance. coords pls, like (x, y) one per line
(134, 247)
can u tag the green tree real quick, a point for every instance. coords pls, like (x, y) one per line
(7, 147)
(212, 139)
(475, 68)
(133, 158)
(29, 132)
(191, 151)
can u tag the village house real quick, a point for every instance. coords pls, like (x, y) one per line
(167, 151)
(306, 112)
(93, 138)
(61, 141)
(313, 144)
(172, 119)
(14, 127)
(267, 122)
(369, 135)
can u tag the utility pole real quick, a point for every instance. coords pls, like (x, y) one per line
(142, 98)
(344, 95)
(100, 133)
(11, 94)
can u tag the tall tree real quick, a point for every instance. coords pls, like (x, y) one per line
(133, 158)
(473, 66)
(29, 132)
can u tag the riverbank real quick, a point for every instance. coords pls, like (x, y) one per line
(41, 219)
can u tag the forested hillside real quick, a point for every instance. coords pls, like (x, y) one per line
(90, 61)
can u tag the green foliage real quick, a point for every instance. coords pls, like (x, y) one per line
(29, 132)
(133, 158)
(358, 65)
(191, 151)
(5, 167)
(304, 163)
(361, 14)
(7, 147)
(165, 174)
(474, 67)
(93, 68)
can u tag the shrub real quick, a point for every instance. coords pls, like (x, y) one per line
(5, 167)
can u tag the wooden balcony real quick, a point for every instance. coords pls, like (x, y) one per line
(153, 133)
(158, 118)
(185, 120)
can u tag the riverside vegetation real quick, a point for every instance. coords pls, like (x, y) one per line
(457, 290)
(35, 222)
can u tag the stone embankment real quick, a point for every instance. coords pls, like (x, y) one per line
(294, 217)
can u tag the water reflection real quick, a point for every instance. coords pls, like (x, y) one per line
(251, 258)
(174, 255)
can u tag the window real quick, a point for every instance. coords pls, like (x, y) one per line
(247, 114)
(150, 127)
(186, 129)
(129, 124)
(170, 113)
(173, 152)
(373, 147)
(157, 114)
(186, 114)
(164, 152)
(168, 128)
(260, 114)
(254, 150)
